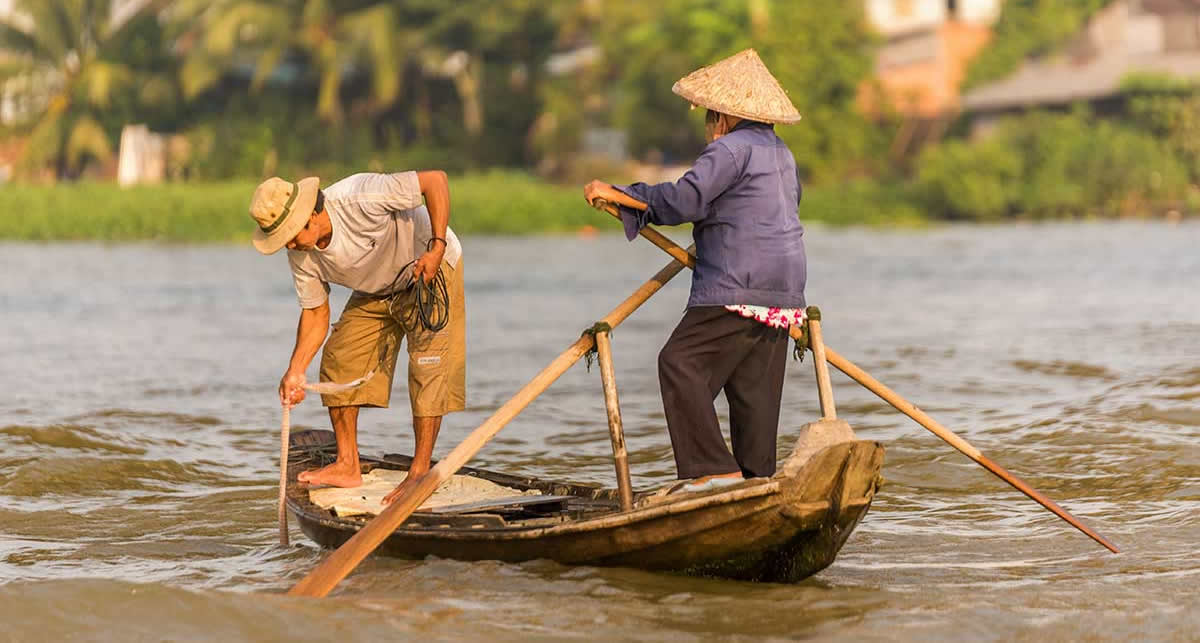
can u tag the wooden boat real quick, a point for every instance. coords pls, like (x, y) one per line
(779, 529)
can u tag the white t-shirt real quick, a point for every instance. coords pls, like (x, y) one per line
(380, 225)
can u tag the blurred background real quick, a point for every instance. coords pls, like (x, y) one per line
(914, 110)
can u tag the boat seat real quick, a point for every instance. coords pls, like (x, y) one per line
(531, 504)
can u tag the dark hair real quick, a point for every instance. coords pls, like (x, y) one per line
(320, 204)
(711, 117)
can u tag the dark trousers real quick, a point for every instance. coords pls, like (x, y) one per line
(713, 349)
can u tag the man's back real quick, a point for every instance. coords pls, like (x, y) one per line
(380, 226)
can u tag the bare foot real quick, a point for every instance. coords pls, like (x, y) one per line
(338, 474)
(409, 482)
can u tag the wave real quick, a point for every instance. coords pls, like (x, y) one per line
(89, 476)
(67, 436)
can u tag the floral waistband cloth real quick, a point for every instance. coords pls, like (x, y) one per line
(773, 317)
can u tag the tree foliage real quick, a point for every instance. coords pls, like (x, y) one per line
(330, 36)
(1046, 165)
(820, 52)
(83, 72)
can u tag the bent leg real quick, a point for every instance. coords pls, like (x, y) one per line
(426, 430)
(437, 374)
(754, 392)
(692, 368)
(345, 471)
(364, 339)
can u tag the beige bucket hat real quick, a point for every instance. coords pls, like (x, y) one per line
(281, 209)
(742, 86)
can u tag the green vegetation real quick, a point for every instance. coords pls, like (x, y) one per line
(1053, 165)
(487, 203)
(105, 212)
(330, 87)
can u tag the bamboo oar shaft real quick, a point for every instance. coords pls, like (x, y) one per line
(824, 387)
(900, 404)
(616, 432)
(344, 559)
(904, 406)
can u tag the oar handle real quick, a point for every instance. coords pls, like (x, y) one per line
(900, 404)
(621, 198)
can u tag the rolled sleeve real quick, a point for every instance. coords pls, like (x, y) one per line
(379, 195)
(311, 290)
(686, 200)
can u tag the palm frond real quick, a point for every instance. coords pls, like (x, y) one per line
(372, 32)
(157, 90)
(198, 73)
(16, 69)
(118, 32)
(316, 12)
(255, 22)
(267, 62)
(87, 138)
(22, 43)
(45, 141)
(68, 28)
(101, 79)
(329, 105)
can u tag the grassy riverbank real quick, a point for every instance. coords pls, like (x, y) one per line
(488, 203)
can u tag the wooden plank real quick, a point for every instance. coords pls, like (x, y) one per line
(513, 502)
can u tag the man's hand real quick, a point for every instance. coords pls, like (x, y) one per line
(428, 263)
(598, 190)
(291, 388)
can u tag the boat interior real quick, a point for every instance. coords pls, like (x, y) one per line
(559, 501)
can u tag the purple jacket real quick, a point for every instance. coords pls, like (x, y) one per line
(741, 195)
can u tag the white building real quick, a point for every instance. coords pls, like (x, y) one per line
(893, 18)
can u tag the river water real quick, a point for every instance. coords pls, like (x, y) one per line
(139, 443)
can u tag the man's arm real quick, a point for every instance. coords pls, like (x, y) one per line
(310, 334)
(684, 201)
(436, 189)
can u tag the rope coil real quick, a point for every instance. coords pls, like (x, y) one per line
(430, 306)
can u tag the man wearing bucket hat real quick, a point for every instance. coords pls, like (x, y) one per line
(377, 234)
(741, 196)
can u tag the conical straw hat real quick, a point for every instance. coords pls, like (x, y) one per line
(742, 86)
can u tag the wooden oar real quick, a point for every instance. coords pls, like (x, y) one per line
(908, 408)
(888, 395)
(342, 561)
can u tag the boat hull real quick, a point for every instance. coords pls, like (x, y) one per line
(782, 529)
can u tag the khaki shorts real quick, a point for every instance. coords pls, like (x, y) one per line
(367, 337)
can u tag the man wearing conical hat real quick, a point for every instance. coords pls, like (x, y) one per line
(741, 196)
(377, 234)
